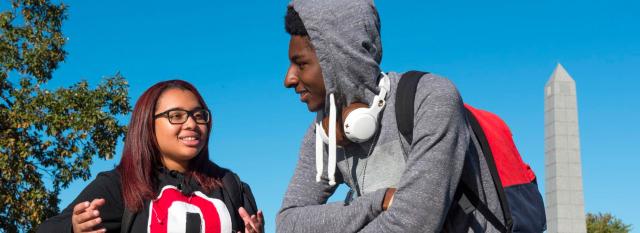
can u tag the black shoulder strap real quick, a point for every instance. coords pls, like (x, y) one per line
(232, 188)
(233, 192)
(405, 99)
(126, 221)
(249, 200)
(239, 194)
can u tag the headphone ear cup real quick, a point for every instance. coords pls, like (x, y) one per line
(359, 125)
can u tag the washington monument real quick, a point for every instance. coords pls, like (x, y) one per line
(563, 169)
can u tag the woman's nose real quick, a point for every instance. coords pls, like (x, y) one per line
(190, 123)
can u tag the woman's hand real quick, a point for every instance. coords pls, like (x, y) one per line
(86, 217)
(252, 223)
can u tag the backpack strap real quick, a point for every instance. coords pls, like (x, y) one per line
(405, 99)
(127, 220)
(249, 200)
(239, 194)
(232, 188)
(488, 155)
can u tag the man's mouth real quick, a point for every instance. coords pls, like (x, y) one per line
(304, 95)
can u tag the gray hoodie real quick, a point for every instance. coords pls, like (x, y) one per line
(426, 173)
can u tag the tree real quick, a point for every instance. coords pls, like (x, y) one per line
(606, 223)
(47, 138)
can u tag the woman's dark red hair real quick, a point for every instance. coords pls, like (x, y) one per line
(141, 158)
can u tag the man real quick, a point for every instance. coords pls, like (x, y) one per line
(396, 186)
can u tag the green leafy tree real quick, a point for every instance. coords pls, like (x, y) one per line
(606, 223)
(47, 138)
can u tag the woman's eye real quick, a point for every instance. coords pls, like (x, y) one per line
(176, 115)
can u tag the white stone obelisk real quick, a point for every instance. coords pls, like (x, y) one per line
(563, 169)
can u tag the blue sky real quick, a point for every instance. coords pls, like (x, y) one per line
(498, 53)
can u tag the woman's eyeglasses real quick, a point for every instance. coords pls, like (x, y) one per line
(180, 116)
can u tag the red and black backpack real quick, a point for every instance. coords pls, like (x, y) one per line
(515, 182)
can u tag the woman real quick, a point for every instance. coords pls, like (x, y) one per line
(165, 181)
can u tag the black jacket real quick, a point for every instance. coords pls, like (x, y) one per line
(172, 185)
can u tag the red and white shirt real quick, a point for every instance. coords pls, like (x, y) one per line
(173, 212)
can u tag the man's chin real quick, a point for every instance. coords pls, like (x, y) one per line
(314, 108)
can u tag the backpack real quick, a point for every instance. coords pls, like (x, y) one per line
(234, 190)
(515, 182)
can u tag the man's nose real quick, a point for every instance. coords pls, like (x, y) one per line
(291, 78)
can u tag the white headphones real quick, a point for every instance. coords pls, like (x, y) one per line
(362, 123)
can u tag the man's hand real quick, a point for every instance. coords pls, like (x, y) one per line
(388, 198)
(86, 217)
(252, 223)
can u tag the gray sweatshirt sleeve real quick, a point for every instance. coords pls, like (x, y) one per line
(434, 164)
(305, 208)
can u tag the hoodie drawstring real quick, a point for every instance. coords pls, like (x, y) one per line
(331, 166)
(319, 147)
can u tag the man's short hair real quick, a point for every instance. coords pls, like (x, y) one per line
(293, 23)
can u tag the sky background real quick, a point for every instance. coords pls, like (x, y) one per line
(499, 54)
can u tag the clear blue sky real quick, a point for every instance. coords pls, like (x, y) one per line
(499, 54)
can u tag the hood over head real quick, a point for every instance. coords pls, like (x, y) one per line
(346, 37)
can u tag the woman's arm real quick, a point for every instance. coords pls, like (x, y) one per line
(105, 186)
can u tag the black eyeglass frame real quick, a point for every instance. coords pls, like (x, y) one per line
(189, 114)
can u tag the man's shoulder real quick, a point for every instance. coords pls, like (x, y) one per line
(430, 84)
(434, 82)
